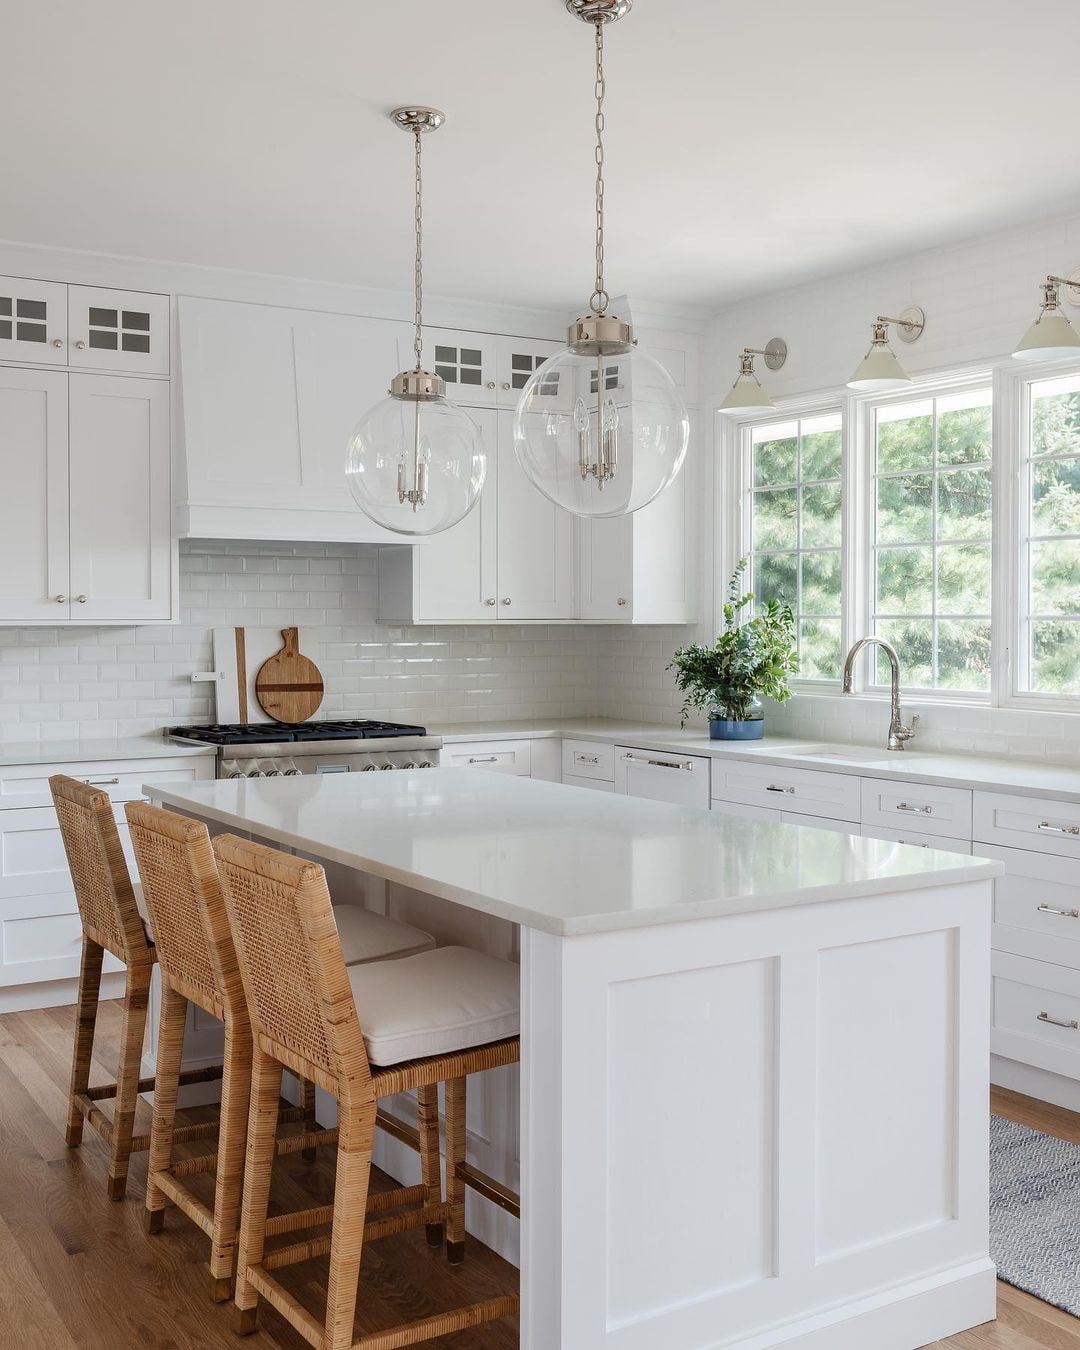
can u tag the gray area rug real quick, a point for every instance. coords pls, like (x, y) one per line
(1035, 1212)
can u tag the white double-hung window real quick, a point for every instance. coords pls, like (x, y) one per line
(794, 528)
(929, 528)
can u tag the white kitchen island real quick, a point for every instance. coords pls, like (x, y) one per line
(754, 1071)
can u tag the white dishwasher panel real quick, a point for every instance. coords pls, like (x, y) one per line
(662, 777)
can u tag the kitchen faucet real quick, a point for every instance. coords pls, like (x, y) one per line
(898, 733)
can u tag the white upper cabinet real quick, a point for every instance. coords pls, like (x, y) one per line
(450, 577)
(535, 543)
(269, 399)
(480, 370)
(511, 559)
(34, 500)
(120, 541)
(517, 358)
(33, 321)
(125, 331)
(85, 533)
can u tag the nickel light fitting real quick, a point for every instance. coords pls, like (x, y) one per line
(600, 428)
(416, 461)
(1052, 335)
(879, 369)
(746, 394)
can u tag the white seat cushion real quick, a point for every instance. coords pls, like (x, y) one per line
(373, 937)
(435, 1003)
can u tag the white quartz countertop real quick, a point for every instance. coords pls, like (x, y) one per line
(151, 746)
(1032, 777)
(562, 859)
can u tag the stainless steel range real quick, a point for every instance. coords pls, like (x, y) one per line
(272, 750)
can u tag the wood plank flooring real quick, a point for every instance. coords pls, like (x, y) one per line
(80, 1273)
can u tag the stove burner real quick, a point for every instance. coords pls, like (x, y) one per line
(274, 733)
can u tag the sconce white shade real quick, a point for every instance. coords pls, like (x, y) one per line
(745, 396)
(1050, 336)
(879, 371)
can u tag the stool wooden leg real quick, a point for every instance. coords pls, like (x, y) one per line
(455, 1186)
(427, 1101)
(166, 1087)
(235, 1092)
(259, 1162)
(307, 1099)
(136, 1000)
(89, 990)
(356, 1134)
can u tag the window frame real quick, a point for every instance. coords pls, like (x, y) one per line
(1014, 467)
(867, 406)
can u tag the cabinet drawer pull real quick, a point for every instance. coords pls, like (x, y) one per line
(1065, 913)
(912, 843)
(483, 759)
(1049, 827)
(1071, 1025)
(101, 782)
(687, 764)
(915, 810)
(775, 787)
(587, 759)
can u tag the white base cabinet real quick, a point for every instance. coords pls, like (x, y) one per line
(680, 779)
(40, 930)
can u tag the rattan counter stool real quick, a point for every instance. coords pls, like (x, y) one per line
(361, 1033)
(197, 964)
(112, 921)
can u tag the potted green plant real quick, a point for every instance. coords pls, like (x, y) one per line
(755, 656)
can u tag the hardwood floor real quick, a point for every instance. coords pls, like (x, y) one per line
(80, 1273)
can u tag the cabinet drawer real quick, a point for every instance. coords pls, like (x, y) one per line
(819, 822)
(500, 756)
(1037, 823)
(1036, 1013)
(27, 785)
(941, 841)
(1036, 905)
(41, 939)
(809, 791)
(588, 759)
(594, 784)
(32, 857)
(917, 807)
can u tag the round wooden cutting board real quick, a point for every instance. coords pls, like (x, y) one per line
(288, 686)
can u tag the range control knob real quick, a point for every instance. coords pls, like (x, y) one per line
(425, 764)
(369, 768)
(409, 764)
(386, 766)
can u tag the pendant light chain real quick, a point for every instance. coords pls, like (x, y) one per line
(418, 276)
(599, 299)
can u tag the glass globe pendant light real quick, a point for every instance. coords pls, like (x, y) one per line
(600, 427)
(416, 461)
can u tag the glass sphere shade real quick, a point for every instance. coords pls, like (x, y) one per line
(621, 411)
(395, 438)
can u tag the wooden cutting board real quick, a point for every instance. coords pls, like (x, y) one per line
(288, 686)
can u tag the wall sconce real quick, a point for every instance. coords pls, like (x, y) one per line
(879, 369)
(746, 394)
(1052, 335)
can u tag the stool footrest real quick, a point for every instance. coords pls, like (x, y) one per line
(374, 1228)
(489, 1188)
(183, 1199)
(441, 1324)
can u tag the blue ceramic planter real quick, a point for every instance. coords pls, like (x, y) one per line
(731, 729)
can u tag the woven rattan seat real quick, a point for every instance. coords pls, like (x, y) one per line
(111, 922)
(304, 1019)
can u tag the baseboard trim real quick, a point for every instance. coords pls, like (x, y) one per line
(902, 1318)
(1034, 1082)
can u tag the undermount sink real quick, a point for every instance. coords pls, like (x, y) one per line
(861, 754)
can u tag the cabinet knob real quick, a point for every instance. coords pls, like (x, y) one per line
(61, 599)
(506, 600)
(620, 601)
(490, 602)
(506, 384)
(491, 384)
(81, 599)
(80, 346)
(58, 342)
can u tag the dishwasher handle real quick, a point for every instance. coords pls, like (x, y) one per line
(687, 764)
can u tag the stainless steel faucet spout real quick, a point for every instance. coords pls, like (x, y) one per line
(898, 732)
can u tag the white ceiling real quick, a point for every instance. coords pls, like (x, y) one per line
(748, 145)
